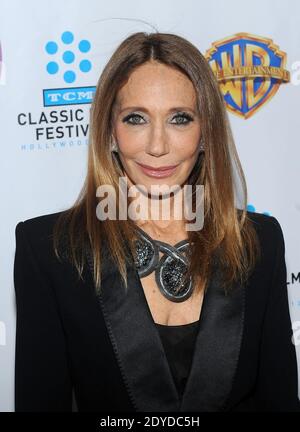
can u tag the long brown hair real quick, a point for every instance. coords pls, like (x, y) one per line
(227, 231)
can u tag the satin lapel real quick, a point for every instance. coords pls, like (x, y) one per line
(137, 344)
(141, 356)
(217, 348)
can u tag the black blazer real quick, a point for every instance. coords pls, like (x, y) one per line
(109, 352)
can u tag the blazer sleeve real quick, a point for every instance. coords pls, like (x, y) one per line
(42, 377)
(277, 388)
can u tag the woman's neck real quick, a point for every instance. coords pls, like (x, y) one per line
(162, 216)
(167, 231)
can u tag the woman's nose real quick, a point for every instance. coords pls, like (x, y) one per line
(158, 143)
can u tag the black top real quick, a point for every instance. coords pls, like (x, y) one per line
(178, 342)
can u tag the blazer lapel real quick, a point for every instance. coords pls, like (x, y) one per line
(217, 347)
(141, 356)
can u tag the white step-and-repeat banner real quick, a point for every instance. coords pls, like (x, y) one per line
(51, 55)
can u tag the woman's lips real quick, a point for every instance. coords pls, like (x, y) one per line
(158, 172)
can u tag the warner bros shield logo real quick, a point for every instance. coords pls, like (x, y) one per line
(249, 70)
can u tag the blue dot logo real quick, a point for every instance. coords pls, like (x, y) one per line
(68, 57)
(69, 76)
(85, 65)
(70, 61)
(51, 47)
(251, 208)
(67, 37)
(84, 46)
(52, 68)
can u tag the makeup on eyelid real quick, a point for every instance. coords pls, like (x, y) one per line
(182, 115)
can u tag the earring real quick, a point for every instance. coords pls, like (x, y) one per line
(113, 146)
(201, 145)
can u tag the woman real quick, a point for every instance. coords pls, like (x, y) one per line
(144, 314)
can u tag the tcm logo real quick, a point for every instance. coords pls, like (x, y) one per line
(68, 59)
(68, 96)
(249, 70)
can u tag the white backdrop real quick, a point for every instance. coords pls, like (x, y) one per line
(51, 55)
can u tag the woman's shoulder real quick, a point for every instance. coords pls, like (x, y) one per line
(37, 233)
(38, 227)
(270, 238)
(34, 242)
(267, 227)
(271, 242)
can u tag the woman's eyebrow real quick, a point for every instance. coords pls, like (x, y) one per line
(140, 108)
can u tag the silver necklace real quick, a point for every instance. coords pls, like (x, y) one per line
(169, 269)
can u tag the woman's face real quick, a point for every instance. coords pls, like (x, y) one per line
(156, 124)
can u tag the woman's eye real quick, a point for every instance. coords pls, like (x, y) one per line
(134, 117)
(183, 119)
